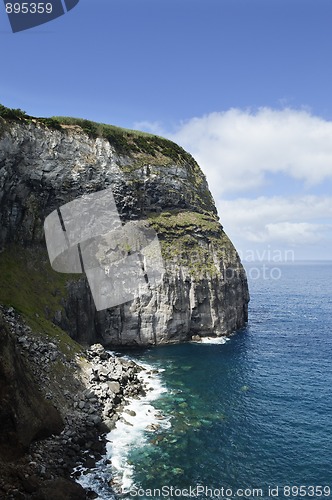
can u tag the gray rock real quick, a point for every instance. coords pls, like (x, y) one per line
(204, 287)
(94, 419)
(116, 373)
(110, 422)
(114, 387)
(132, 413)
(89, 394)
(53, 356)
(104, 373)
(98, 350)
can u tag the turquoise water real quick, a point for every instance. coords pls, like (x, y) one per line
(255, 412)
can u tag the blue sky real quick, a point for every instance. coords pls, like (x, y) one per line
(244, 85)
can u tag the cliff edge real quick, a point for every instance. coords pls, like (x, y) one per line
(45, 163)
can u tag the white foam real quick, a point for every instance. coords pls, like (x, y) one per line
(129, 432)
(211, 340)
(124, 437)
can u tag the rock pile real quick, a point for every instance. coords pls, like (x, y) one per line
(88, 389)
(111, 380)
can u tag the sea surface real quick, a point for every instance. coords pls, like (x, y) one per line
(247, 418)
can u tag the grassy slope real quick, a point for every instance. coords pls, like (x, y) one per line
(29, 284)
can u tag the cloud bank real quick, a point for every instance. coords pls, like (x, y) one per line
(243, 153)
(297, 220)
(237, 148)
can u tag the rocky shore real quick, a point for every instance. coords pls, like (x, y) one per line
(88, 389)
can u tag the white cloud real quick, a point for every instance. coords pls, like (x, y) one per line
(277, 208)
(237, 148)
(293, 221)
(293, 233)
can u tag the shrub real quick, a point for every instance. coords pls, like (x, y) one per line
(12, 114)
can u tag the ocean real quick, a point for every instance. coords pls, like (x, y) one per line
(250, 417)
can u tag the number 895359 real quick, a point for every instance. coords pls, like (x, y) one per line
(307, 491)
(29, 8)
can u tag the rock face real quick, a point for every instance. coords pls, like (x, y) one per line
(204, 288)
(25, 415)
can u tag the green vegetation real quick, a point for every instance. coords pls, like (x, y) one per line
(129, 142)
(50, 123)
(12, 114)
(125, 141)
(30, 285)
(143, 150)
(175, 223)
(193, 240)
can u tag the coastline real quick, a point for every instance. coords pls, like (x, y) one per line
(106, 402)
(89, 389)
(138, 421)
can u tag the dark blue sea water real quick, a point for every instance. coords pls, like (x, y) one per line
(254, 412)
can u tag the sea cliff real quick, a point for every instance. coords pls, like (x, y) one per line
(59, 391)
(45, 163)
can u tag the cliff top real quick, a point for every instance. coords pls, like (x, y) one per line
(125, 141)
(148, 163)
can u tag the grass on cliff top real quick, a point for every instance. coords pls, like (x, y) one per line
(141, 148)
(128, 142)
(125, 141)
(32, 288)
